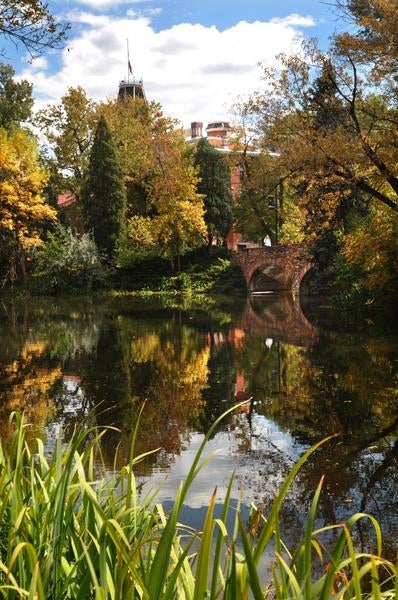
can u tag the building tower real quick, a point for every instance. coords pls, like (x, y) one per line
(131, 87)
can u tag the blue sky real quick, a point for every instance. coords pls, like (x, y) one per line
(226, 13)
(195, 56)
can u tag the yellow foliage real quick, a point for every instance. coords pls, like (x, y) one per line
(139, 231)
(23, 210)
(374, 246)
(154, 156)
(26, 387)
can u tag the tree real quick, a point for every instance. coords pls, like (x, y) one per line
(69, 128)
(15, 98)
(30, 25)
(68, 261)
(105, 195)
(160, 177)
(360, 151)
(133, 125)
(23, 210)
(255, 209)
(178, 212)
(215, 185)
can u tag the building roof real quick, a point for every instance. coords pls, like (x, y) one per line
(64, 200)
(219, 125)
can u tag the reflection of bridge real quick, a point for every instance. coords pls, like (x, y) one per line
(281, 267)
(279, 317)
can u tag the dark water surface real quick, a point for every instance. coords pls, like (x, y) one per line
(65, 362)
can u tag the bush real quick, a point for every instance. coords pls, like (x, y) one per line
(68, 261)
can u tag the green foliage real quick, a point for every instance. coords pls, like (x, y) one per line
(129, 255)
(105, 194)
(68, 262)
(15, 98)
(215, 186)
(216, 275)
(261, 191)
(66, 532)
(69, 128)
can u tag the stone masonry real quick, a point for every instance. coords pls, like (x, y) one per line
(281, 267)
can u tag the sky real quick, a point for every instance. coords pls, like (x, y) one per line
(196, 57)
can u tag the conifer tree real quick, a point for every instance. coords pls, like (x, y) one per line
(215, 185)
(105, 195)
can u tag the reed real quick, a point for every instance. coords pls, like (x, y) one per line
(66, 533)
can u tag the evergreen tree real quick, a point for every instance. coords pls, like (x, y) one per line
(215, 185)
(105, 194)
(324, 103)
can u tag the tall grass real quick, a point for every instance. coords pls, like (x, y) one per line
(66, 534)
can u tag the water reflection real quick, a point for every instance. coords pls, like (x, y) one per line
(278, 316)
(97, 362)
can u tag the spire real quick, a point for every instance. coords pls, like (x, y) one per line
(131, 87)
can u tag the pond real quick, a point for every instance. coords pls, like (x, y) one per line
(82, 361)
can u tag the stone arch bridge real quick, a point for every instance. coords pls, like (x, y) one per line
(271, 268)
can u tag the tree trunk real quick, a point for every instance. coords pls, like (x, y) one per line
(23, 266)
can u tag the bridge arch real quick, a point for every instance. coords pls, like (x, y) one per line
(281, 267)
(266, 279)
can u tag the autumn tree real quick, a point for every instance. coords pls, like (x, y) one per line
(178, 221)
(29, 25)
(215, 186)
(69, 129)
(23, 210)
(359, 151)
(105, 195)
(163, 206)
(133, 125)
(16, 100)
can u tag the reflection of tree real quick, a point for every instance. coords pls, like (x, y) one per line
(343, 385)
(38, 341)
(169, 371)
(106, 379)
(26, 384)
(219, 392)
(69, 338)
(162, 363)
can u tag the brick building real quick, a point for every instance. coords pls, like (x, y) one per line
(220, 135)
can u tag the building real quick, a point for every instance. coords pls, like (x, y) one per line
(131, 88)
(219, 134)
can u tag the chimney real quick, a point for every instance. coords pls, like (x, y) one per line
(196, 129)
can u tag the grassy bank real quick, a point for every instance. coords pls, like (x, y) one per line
(67, 532)
(202, 271)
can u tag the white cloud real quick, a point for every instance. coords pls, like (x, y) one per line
(144, 12)
(295, 20)
(39, 63)
(194, 71)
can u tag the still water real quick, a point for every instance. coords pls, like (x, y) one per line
(90, 361)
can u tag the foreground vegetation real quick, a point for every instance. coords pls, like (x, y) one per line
(68, 532)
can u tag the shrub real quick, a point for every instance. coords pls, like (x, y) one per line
(68, 261)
